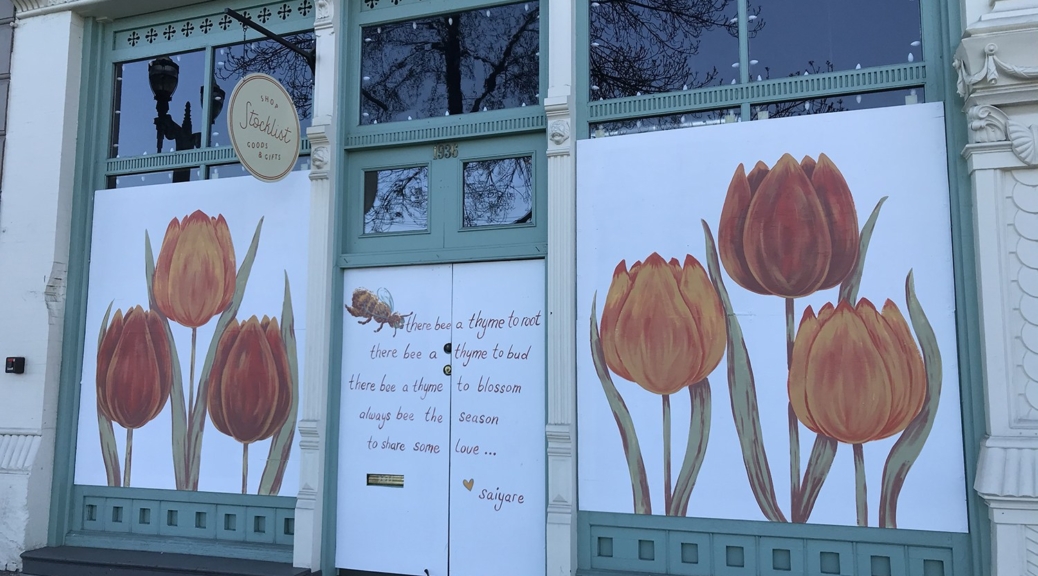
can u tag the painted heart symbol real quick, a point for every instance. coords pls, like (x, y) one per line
(468, 483)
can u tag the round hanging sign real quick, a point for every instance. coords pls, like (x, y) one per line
(264, 127)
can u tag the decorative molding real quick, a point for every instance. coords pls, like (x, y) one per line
(558, 132)
(324, 11)
(988, 71)
(18, 452)
(319, 158)
(990, 124)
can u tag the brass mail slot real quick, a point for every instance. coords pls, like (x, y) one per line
(396, 480)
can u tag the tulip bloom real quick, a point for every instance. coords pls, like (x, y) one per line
(789, 230)
(856, 374)
(134, 368)
(195, 274)
(250, 387)
(662, 324)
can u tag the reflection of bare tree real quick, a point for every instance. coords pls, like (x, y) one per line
(453, 63)
(648, 46)
(271, 58)
(396, 200)
(498, 191)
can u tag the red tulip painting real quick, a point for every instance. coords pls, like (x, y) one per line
(852, 372)
(247, 382)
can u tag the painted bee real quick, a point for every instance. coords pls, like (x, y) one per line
(378, 307)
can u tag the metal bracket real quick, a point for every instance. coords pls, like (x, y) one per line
(309, 55)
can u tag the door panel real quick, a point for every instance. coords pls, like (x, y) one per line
(392, 385)
(497, 503)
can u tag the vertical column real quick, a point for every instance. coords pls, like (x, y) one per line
(561, 534)
(321, 268)
(35, 219)
(998, 77)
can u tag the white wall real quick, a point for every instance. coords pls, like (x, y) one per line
(35, 212)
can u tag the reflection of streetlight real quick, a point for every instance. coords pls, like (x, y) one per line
(163, 76)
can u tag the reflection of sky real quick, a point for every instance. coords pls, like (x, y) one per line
(844, 32)
(148, 179)
(400, 203)
(134, 126)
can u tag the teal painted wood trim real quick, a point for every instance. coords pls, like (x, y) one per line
(384, 10)
(228, 499)
(475, 125)
(206, 518)
(174, 545)
(203, 25)
(92, 128)
(183, 159)
(778, 90)
(967, 294)
(453, 255)
(626, 543)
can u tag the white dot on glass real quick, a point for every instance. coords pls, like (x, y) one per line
(735, 64)
(911, 57)
(807, 106)
(916, 43)
(858, 98)
(753, 62)
(858, 67)
(450, 21)
(751, 17)
(414, 25)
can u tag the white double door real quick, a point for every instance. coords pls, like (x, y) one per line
(441, 445)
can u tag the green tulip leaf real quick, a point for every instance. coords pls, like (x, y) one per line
(743, 393)
(849, 288)
(622, 416)
(695, 450)
(109, 449)
(196, 426)
(822, 454)
(908, 446)
(281, 443)
(178, 412)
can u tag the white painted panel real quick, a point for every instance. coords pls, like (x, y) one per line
(399, 530)
(497, 501)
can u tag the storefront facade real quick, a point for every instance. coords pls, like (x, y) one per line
(440, 343)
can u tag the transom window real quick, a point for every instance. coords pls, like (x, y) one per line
(737, 60)
(170, 81)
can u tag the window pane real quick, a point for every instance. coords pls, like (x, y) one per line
(145, 121)
(498, 192)
(823, 35)
(151, 178)
(456, 63)
(840, 103)
(669, 122)
(232, 63)
(656, 46)
(396, 200)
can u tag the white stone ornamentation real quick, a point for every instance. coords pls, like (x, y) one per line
(319, 158)
(324, 10)
(989, 71)
(989, 124)
(558, 132)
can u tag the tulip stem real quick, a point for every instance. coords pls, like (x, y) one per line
(191, 381)
(129, 457)
(667, 496)
(244, 468)
(794, 424)
(860, 490)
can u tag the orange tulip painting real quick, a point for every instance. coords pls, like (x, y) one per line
(194, 274)
(789, 230)
(662, 324)
(250, 389)
(662, 328)
(134, 373)
(857, 374)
